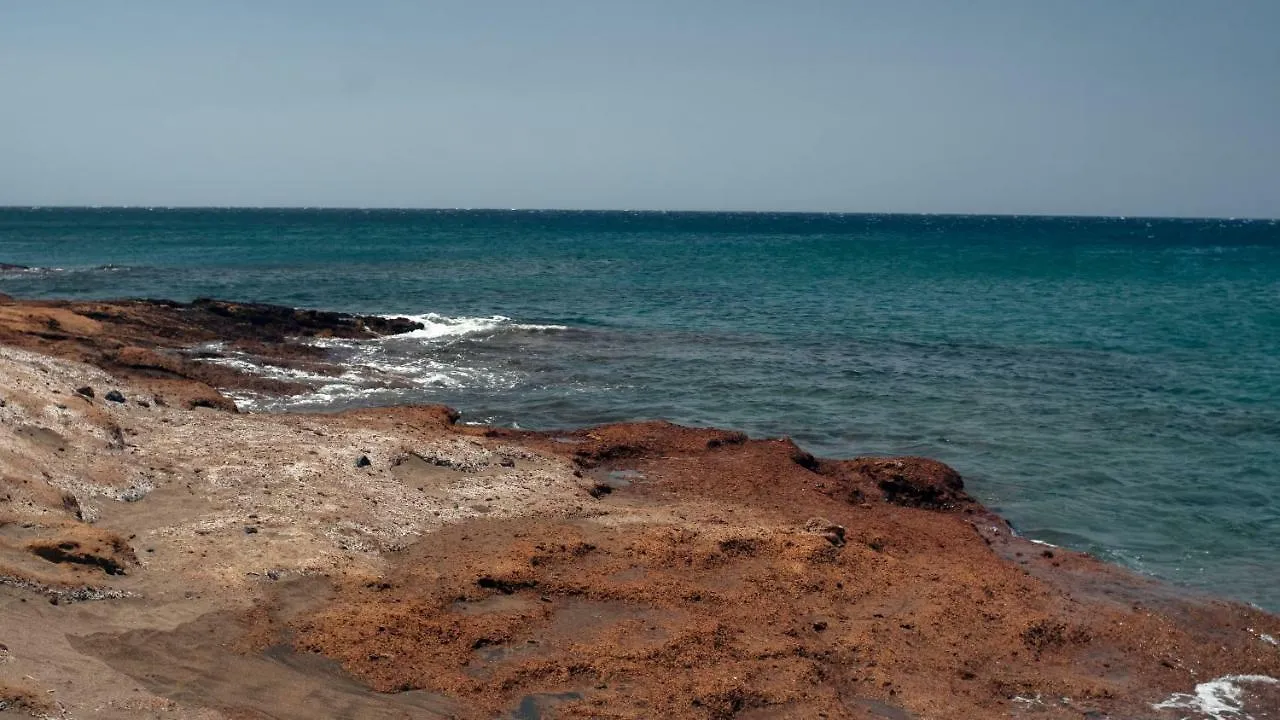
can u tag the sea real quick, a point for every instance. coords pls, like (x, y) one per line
(1107, 384)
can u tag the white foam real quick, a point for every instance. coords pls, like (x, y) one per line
(1268, 639)
(33, 270)
(240, 362)
(1220, 699)
(386, 365)
(442, 326)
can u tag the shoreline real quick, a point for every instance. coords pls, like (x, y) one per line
(627, 570)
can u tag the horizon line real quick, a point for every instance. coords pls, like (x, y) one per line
(394, 208)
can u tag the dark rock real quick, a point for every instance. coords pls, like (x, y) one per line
(363, 461)
(87, 546)
(214, 401)
(503, 585)
(85, 391)
(831, 532)
(281, 321)
(250, 530)
(116, 442)
(919, 482)
(802, 458)
(908, 481)
(729, 438)
(72, 505)
(115, 396)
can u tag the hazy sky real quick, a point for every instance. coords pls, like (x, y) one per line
(1156, 107)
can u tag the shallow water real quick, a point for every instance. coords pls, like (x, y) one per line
(1111, 385)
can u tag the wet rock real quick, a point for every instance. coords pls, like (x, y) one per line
(115, 396)
(85, 391)
(280, 321)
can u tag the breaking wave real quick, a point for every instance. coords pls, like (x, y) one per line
(408, 367)
(1219, 699)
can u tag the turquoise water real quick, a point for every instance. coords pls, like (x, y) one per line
(1108, 384)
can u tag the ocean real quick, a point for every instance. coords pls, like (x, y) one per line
(1107, 384)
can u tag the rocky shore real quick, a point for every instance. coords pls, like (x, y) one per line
(163, 555)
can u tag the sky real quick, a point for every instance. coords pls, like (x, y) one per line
(1115, 107)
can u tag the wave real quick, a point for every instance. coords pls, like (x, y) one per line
(390, 369)
(436, 326)
(1220, 699)
(7, 269)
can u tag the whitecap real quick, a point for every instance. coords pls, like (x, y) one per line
(1219, 699)
(435, 326)
(1268, 639)
(387, 369)
(243, 363)
(441, 326)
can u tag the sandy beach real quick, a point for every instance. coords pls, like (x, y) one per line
(163, 555)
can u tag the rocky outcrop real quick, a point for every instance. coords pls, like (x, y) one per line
(260, 320)
(152, 341)
(908, 481)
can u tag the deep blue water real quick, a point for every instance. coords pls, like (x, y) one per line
(1108, 384)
